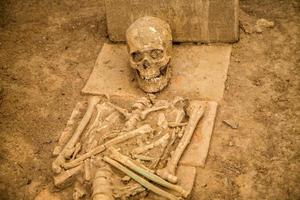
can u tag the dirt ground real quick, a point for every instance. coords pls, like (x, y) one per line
(48, 49)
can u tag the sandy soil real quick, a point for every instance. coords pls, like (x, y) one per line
(48, 49)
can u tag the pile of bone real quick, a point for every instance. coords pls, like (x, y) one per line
(110, 152)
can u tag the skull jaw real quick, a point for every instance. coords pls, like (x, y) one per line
(153, 85)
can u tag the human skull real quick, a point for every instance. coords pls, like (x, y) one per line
(149, 42)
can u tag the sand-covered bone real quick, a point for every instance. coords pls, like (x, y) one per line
(196, 111)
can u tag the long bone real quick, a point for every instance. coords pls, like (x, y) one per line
(85, 120)
(141, 180)
(61, 178)
(67, 132)
(83, 157)
(196, 112)
(146, 173)
(69, 147)
(142, 130)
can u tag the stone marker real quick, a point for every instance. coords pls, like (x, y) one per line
(190, 20)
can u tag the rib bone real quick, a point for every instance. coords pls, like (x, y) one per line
(196, 112)
(141, 180)
(146, 173)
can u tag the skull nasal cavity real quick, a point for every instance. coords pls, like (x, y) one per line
(146, 64)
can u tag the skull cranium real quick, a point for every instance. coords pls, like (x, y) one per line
(149, 43)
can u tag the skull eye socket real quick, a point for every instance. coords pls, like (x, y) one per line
(137, 56)
(157, 54)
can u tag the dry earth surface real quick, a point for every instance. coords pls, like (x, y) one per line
(48, 49)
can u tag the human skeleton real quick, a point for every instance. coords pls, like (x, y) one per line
(115, 152)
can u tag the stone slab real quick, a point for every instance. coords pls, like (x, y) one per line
(197, 151)
(190, 20)
(198, 72)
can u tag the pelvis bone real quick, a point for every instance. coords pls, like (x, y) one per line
(149, 41)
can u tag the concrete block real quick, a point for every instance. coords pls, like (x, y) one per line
(204, 21)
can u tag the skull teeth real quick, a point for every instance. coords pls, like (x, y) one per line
(156, 79)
